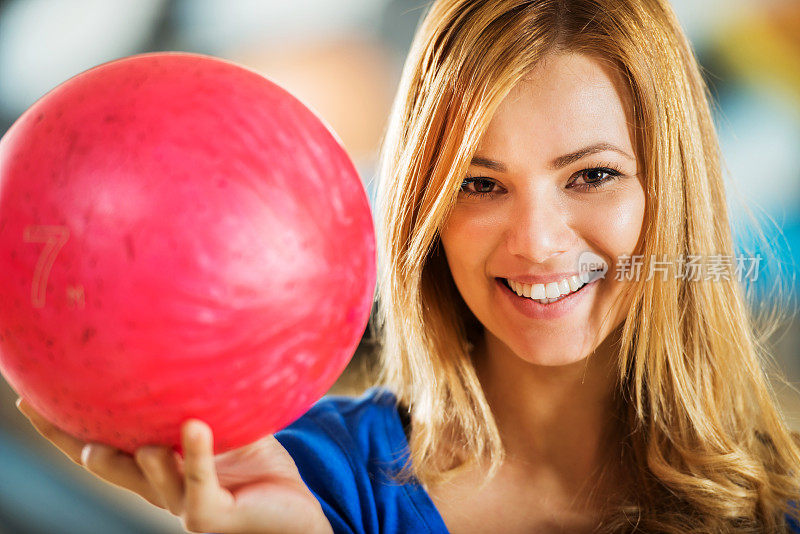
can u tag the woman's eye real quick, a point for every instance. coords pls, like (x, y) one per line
(483, 187)
(584, 180)
(593, 178)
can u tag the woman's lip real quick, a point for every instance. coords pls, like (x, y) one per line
(554, 310)
(542, 278)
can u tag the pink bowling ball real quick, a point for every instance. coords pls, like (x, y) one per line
(179, 237)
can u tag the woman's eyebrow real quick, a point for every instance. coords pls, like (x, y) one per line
(480, 161)
(559, 162)
(566, 159)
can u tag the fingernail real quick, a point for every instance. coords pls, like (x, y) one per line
(85, 453)
(197, 430)
(18, 402)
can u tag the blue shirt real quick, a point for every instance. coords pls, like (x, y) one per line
(343, 448)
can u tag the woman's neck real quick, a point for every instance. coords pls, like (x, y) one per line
(558, 423)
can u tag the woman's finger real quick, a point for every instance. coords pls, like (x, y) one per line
(67, 444)
(208, 506)
(160, 470)
(120, 469)
(108, 463)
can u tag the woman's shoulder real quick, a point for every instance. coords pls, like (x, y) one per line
(346, 449)
(351, 409)
(357, 424)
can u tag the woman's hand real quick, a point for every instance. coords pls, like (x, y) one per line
(254, 489)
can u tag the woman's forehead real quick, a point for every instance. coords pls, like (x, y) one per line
(566, 102)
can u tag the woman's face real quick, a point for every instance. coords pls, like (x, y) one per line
(552, 189)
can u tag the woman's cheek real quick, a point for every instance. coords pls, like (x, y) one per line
(613, 229)
(612, 225)
(462, 235)
(471, 229)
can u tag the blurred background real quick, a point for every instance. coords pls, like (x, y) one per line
(343, 58)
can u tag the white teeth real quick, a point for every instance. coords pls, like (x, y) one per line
(516, 287)
(563, 286)
(574, 283)
(547, 293)
(551, 290)
(537, 291)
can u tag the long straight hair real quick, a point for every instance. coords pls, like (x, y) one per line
(703, 439)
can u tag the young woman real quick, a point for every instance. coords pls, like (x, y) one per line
(533, 378)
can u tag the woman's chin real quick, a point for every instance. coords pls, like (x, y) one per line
(558, 356)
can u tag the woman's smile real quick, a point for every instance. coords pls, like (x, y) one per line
(555, 308)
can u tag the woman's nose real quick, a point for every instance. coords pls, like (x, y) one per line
(538, 228)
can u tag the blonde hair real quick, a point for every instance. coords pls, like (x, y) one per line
(702, 434)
